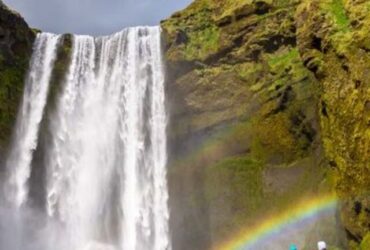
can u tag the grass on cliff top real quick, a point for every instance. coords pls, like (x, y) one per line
(201, 33)
(228, 7)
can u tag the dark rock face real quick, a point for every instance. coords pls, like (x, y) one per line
(16, 40)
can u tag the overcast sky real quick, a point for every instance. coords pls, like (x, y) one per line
(94, 17)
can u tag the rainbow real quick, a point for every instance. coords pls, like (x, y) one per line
(302, 212)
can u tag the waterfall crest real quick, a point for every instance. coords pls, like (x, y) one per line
(105, 179)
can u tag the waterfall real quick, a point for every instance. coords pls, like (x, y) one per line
(18, 164)
(105, 159)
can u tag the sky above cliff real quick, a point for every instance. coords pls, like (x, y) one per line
(94, 17)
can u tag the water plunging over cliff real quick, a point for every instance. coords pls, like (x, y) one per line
(29, 118)
(105, 162)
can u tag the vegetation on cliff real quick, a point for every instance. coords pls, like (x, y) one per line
(296, 72)
(16, 40)
(251, 102)
(333, 38)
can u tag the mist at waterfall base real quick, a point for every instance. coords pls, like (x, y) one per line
(100, 172)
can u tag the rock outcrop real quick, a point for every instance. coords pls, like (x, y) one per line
(16, 40)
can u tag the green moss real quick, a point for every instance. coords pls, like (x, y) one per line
(202, 43)
(11, 79)
(229, 7)
(284, 59)
(248, 70)
(243, 175)
(339, 29)
(242, 189)
(258, 92)
(365, 244)
(15, 52)
(286, 67)
(274, 136)
(193, 33)
(343, 37)
(338, 14)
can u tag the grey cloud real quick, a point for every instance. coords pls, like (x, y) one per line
(95, 17)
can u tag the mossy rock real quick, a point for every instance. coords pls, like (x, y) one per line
(240, 196)
(16, 40)
(333, 33)
(247, 99)
(365, 244)
(60, 69)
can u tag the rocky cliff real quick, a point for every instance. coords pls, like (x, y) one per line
(264, 92)
(334, 42)
(16, 40)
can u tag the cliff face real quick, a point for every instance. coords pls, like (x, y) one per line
(263, 92)
(244, 117)
(334, 40)
(16, 40)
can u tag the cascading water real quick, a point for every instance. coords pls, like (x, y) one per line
(18, 164)
(105, 180)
